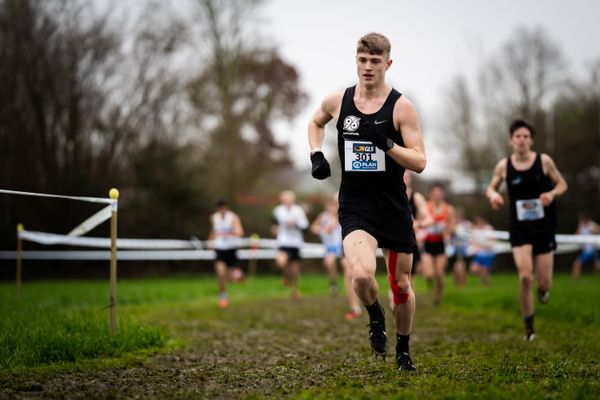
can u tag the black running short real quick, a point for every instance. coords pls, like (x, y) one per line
(393, 232)
(229, 257)
(435, 248)
(541, 241)
(293, 253)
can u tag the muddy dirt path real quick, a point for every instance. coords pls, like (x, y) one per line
(270, 348)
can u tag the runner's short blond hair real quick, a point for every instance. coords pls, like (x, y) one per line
(374, 43)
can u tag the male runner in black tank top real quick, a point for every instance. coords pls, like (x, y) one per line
(378, 138)
(533, 183)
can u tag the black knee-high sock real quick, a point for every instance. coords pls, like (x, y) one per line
(528, 323)
(375, 311)
(402, 343)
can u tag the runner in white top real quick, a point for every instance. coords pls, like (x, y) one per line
(289, 222)
(224, 236)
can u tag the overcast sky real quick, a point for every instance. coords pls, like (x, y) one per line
(432, 42)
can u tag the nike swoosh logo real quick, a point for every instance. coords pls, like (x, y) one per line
(380, 122)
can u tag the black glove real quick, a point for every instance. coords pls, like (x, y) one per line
(320, 166)
(370, 131)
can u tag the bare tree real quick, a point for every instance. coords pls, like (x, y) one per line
(82, 98)
(241, 90)
(53, 53)
(521, 80)
(525, 72)
(577, 119)
(462, 133)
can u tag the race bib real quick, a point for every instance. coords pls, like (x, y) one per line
(530, 210)
(437, 228)
(363, 157)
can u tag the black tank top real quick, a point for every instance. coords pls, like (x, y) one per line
(370, 190)
(526, 185)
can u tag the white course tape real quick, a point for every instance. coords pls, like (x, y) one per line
(161, 249)
(560, 238)
(47, 238)
(312, 251)
(487, 234)
(309, 252)
(579, 239)
(52, 239)
(58, 196)
(131, 255)
(92, 222)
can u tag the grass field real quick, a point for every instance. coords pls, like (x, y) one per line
(175, 343)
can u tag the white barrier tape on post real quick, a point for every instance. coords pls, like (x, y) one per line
(47, 238)
(498, 240)
(309, 252)
(566, 242)
(579, 239)
(92, 222)
(59, 196)
(53, 239)
(487, 234)
(145, 255)
(560, 238)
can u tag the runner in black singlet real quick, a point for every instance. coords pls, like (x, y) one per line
(378, 138)
(533, 183)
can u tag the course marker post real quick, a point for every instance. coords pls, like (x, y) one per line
(114, 195)
(19, 258)
(254, 238)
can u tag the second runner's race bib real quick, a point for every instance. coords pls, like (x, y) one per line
(530, 210)
(363, 157)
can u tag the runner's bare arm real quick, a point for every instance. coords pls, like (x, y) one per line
(238, 229)
(495, 198)
(316, 225)
(560, 185)
(212, 235)
(412, 155)
(424, 218)
(328, 110)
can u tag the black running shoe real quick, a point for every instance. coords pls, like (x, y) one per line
(404, 362)
(544, 296)
(378, 338)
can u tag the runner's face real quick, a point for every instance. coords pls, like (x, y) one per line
(371, 68)
(436, 194)
(287, 199)
(521, 140)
